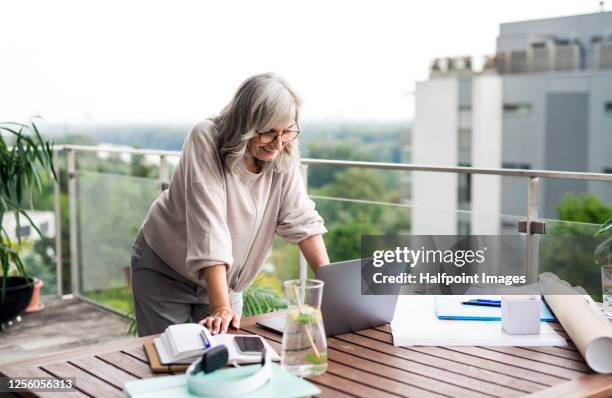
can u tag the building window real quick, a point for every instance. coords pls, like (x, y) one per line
(519, 166)
(518, 61)
(522, 109)
(23, 231)
(44, 228)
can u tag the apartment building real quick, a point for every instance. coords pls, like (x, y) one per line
(543, 101)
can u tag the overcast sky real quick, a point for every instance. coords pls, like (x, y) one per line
(178, 61)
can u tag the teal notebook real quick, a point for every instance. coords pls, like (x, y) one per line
(282, 385)
(450, 307)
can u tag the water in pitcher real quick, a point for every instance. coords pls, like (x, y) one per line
(304, 348)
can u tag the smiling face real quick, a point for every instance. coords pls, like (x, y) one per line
(268, 152)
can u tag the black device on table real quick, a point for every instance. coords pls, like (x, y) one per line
(249, 345)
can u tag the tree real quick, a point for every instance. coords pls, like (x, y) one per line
(343, 242)
(347, 221)
(321, 175)
(588, 208)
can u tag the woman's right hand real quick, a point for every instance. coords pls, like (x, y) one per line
(221, 314)
(220, 319)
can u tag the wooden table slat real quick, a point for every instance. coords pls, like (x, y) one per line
(84, 351)
(330, 392)
(488, 381)
(483, 363)
(331, 380)
(137, 352)
(543, 368)
(111, 374)
(579, 366)
(85, 382)
(592, 386)
(128, 363)
(558, 352)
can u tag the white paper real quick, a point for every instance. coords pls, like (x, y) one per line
(415, 323)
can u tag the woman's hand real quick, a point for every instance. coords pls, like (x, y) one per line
(221, 314)
(220, 319)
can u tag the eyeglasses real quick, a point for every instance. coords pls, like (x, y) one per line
(286, 135)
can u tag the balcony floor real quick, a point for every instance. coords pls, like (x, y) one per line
(63, 324)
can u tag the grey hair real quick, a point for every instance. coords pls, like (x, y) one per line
(261, 102)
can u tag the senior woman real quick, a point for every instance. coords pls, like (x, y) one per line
(237, 183)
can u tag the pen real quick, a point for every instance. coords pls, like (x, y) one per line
(205, 339)
(483, 303)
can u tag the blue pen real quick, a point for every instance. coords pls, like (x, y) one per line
(488, 301)
(205, 339)
(483, 302)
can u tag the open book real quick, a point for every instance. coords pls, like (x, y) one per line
(184, 343)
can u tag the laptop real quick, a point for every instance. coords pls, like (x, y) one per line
(343, 307)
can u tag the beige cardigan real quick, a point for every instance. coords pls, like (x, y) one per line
(209, 215)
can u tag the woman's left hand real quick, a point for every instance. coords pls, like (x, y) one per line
(220, 319)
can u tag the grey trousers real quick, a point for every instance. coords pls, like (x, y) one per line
(162, 296)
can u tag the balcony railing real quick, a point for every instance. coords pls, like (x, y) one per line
(93, 248)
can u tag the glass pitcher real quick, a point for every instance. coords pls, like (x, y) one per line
(304, 349)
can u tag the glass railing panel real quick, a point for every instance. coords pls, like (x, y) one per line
(352, 201)
(348, 219)
(112, 208)
(568, 250)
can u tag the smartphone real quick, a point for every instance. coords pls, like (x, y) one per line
(249, 345)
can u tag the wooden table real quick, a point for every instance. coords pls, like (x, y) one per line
(363, 363)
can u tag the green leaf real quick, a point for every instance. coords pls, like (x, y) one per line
(307, 319)
(22, 169)
(32, 223)
(312, 358)
(605, 227)
(602, 251)
(259, 300)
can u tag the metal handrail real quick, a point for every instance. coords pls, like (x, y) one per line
(134, 151)
(568, 175)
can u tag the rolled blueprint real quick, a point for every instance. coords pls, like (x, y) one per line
(583, 321)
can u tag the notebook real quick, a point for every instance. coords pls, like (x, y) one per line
(450, 307)
(183, 344)
(282, 385)
(157, 366)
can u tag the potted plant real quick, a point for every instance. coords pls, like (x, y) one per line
(25, 161)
